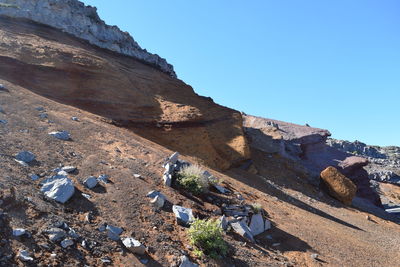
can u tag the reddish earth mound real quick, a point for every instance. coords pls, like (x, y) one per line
(125, 90)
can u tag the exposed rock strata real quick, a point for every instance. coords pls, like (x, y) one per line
(384, 161)
(124, 90)
(307, 146)
(73, 17)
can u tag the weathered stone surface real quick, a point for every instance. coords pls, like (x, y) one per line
(68, 169)
(67, 243)
(62, 135)
(257, 224)
(183, 215)
(153, 194)
(340, 187)
(25, 156)
(34, 177)
(223, 222)
(82, 21)
(19, 232)
(113, 232)
(149, 103)
(134, 245)
(104, 178)
(221, 189)
(352, 163)
(267, 225)
(56, 234)
(167, 178)
(91, 182)
(242, 229)
(158, 202)
(185, 262)
(60, 190)
(24, 255)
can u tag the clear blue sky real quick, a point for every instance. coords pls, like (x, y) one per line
(331, 64)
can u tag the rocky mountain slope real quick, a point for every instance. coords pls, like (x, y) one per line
(124, 90)
(86, 134)
(384, 163)
(308, 148)
(82, 21)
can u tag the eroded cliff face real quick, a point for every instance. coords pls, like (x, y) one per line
(73, 17)
(307, 146)
(124, 90)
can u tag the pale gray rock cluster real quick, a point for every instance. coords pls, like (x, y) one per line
(74, 17)
(244, 221)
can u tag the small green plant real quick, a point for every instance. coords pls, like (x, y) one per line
(257, 208)
(192, 179)
(207, 237)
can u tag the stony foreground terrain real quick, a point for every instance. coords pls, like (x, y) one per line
(304, 220)
(86, 133)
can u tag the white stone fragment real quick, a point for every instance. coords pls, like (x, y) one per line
(134, 245)
(60, 190)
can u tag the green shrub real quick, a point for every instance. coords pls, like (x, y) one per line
(192, 179)
(207, 237)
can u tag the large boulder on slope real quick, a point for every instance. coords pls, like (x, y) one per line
(339, 186)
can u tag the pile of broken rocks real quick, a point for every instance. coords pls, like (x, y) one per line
(241, 218)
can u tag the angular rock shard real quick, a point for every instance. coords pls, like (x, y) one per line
(61, 190)
(184, 216)
(134, 245)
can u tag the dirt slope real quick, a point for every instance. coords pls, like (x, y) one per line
(304, 221)
(128, 92)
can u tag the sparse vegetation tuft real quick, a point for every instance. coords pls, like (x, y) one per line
(257, 208)
(191, 178)
(207, 237)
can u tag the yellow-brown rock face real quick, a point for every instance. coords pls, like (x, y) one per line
(132, 94)
(340, 187)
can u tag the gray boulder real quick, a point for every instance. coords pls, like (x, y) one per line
(61, 190)
(25, 156)
(134, 246)
(257, 224)
(91, 182)
(242, 229)
(62, 135)
(104, 178)
(158, 201)
(184, 216)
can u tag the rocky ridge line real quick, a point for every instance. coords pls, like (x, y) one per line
(74, 17)
(384, 161)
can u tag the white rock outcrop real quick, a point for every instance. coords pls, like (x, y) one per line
(74, 17)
